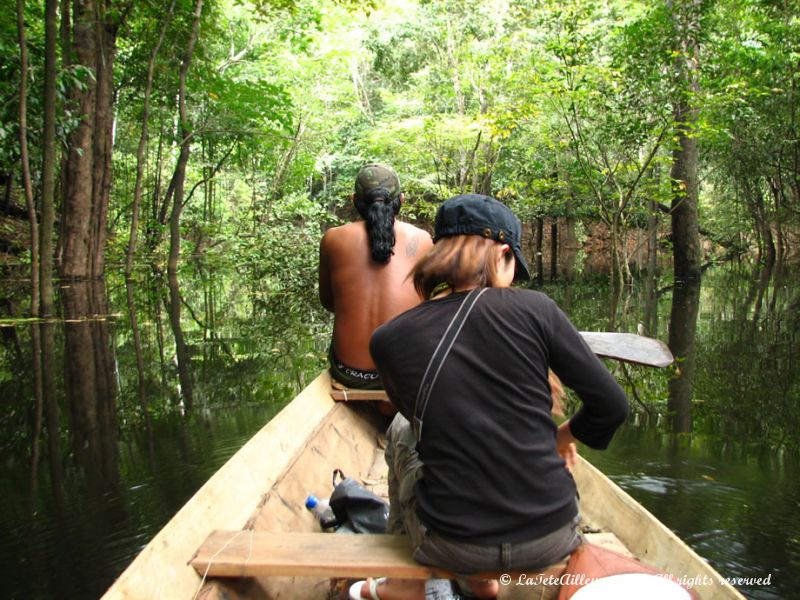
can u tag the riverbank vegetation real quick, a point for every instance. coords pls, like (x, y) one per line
(138, 131)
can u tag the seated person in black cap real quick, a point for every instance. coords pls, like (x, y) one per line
(478, 469)
(363, 273)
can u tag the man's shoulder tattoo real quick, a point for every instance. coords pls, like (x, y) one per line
(412, 246)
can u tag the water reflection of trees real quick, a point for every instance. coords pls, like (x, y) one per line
(749, 374)
(737, 375)
(211, 338)
(90, 385)
(682, 332)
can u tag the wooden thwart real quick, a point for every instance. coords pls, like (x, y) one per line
(251, 553)
(349, 395)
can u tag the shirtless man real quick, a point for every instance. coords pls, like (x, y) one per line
(362, 273)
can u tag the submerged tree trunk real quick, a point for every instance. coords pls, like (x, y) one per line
(682, 331)
(36, 339)
(181, 349)
(764, 226)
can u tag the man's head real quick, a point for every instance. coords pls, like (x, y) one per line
(377, 200)
(375, 176)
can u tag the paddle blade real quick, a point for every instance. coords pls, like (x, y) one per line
(629, 347)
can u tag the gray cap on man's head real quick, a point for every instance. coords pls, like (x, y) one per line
(373, 176)
(476, 214)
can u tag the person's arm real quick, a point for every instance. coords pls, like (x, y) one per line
(325, 290)
(604, 405)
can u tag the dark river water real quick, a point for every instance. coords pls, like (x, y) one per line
(146, 389)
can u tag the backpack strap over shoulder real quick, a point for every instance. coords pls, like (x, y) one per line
(439, 356)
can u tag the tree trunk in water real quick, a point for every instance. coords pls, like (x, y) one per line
(682, 330)
(764, 225)
(48, 160)
(685, 234)
(181, 350)
(142, 148)
(179, 177)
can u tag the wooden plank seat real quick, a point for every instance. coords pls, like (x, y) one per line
(250, 553)
(350, 395)
(342, 393)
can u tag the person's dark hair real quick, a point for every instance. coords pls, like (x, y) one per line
(378, 209)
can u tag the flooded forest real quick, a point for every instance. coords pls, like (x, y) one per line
(168, 168)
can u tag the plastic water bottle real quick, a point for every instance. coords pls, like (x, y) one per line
(322, 510)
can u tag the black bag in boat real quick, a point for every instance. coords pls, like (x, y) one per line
(357, 509)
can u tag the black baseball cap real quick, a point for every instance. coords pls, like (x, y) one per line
(476, 214)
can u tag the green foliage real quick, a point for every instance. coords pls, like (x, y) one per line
(282, 251)
(563, 109)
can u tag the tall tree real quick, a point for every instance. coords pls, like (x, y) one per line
(26, 167)
(142, 148)
(48, 157)
(687, 20)
(179, 176)
(88, 182)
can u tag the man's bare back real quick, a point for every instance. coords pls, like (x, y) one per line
(362, 293)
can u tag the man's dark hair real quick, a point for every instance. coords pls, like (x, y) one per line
(378, 209)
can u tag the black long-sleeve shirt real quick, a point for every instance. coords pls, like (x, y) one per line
(492, 473)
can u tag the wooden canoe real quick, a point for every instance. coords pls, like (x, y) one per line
(264, 485)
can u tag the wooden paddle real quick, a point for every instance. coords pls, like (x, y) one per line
(629, 347)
